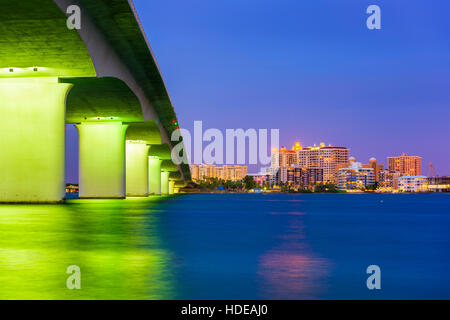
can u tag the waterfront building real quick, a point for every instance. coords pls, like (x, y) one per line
(356, 177)
(305, 178)
(273, 179)
(226, 172)
(388, 180)
(313, 177)
(327, 158)
(260, 178)
(273, 175)
(311, 165)
(283, 157)
(406, 165)
(233, 172)
(72, 188)
(292, 175)
(377, 168)
(194, 171)
(412, 184)
(206, 171)
(438, 184)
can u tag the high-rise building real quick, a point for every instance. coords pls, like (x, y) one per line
(218, 173)
(325, 161)
(406, 165)
(226, 172)
(293, 175)
(355, 177)
(377, 168)
(313, 177)
(328, 158)
(194, 171)
(283, 157)
(206, 171)
(234, 172)
(296, 176)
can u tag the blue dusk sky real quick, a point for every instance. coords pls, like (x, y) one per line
(311, 69)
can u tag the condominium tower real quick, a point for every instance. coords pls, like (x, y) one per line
(226, 172)
(328, 159)
(406, 165)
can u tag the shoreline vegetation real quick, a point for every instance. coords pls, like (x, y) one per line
(249, 185)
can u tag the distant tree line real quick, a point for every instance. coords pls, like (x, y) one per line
(247, 183)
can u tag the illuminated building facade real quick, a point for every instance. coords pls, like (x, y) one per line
(328, 158)
(292, 175)
(299, 177)
(377, 168)
(356, 177)
(226, 172)
(313, 176)
(319, 163)
(260, 178)
(412, 184)
(388, 180)
(283, 158)
(438, 184)
(195, 172)
(406, 165)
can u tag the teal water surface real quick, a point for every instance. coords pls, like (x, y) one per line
(229, 246)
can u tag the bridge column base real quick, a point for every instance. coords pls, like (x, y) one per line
(171, 187)
(32, 140)
(102, 160)
(154, 175)
(137, 169)
(164, 182)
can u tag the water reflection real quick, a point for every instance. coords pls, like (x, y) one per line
(290, 270)
(228, 247)
(116, 244)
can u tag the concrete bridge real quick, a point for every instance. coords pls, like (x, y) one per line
(102, 77)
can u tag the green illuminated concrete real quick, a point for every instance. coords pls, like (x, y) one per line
(34, 33)
(136, 169)
(109, 61)
(32, 141)
(118, 244)
(154, 176)
(162, 151)
(94, 99)
(102, 159)
(171, 187)
(147, 132)
(118, 21)
(164, 182)
(168, 165)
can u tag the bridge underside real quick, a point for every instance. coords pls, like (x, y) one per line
(50, 76)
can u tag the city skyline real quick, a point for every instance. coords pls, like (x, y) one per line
(385, 163)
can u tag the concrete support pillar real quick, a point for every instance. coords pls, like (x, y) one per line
(171, 187)
(154, 175)
(102, 159)
(136, 169)
(32, 140)
(164, 182)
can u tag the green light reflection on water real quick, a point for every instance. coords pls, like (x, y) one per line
(116, 243)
